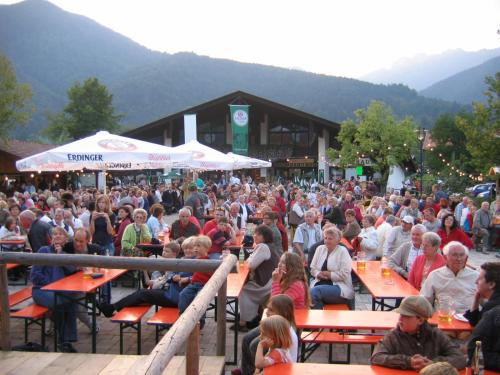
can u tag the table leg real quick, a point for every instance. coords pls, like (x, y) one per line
(373, 304)
(236, 324)
(94, 323)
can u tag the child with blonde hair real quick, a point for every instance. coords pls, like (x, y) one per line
(275, 343)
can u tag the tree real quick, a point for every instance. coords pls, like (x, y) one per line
(89, 110)
(482, 128)
(15, 108)
(378, 135)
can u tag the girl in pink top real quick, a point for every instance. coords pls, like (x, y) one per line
(290, 279)
(428, 261)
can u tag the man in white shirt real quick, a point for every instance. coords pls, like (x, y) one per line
(454, 280)
(398, 235)
(402, 260)
(307, 234)
(383, 231)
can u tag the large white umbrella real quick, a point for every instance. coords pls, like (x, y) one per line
(104, 151)
(203, 158)
(246, 162)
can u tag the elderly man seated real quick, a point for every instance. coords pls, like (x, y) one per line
(183, 228)
(455, 280)
(414, 343)
(307, 234)
(402, 260)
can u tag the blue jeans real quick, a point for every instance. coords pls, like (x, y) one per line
(187, 296)
(64, 310)
(326, 294)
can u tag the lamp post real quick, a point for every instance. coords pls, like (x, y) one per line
(421, 138)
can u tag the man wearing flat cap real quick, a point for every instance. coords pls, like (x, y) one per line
(414, 343)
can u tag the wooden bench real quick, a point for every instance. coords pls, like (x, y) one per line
(19, 296)
(164, 319)
(130, 317)
(317, 338)
(32, 314)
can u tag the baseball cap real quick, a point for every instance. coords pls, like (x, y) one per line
(415, 306)
(409, 219)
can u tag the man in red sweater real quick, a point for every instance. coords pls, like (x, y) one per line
(212, 224)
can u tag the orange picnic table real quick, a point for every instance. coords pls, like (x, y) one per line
(237, 244)
(364, 320)
(328, 369)
(5, 245)
(11, 266)
(80, 283)
(235, 283)
(383, 287)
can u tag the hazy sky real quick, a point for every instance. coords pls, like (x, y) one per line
(346, 38)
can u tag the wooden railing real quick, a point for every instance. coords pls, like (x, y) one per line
(185, 329)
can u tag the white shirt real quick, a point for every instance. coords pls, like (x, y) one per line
(370, 241)
(414, 252)
(382, 233)
(298, 238)
(339, 265)
(443, 281)
(394, 239)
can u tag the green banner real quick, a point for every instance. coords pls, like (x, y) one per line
(239, 125)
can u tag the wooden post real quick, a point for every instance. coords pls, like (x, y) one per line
(221, 320)
(4, 306)
(193, 351)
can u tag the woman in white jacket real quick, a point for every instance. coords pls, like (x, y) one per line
(331, 268)
(368, 237)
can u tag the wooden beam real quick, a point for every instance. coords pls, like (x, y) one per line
(163, 352)
(4, 306)
(221, 320)
(193, 351)
(129, 263)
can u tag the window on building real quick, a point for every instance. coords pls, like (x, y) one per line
(212, 133)
(290, 134)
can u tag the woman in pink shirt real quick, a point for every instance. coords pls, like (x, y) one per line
(290, 279)
(428, 261)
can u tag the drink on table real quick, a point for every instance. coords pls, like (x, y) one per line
(445, 309)
(384, 267)
(361, 261)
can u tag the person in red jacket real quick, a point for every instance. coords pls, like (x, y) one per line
(450, 231)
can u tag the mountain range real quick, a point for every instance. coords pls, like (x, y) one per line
(51, 49)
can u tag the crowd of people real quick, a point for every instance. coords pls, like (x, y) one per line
(301, 244)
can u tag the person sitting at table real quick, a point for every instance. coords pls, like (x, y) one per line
(38, 231)
(352, 228)
(402, 259)
(235, 217)
(486, 321)
(454, 280)
(398, 235)
(306, 234)
(124, 219)
(163, 290)
(221, 236)
(199, 279)
(432, 224)
(183, 228)
(257, 288)
(427, 262)
(367, 239)
(270, 218)
(414, 343)
(134, 234)
(331, 268)
(58, 221)
(10, 231)
(219, 213)
(451, 231)
(155, 221)
(290, 278)
(63, 308)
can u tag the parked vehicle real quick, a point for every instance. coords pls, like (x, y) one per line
(481, 188)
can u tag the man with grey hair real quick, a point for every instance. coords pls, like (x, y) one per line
(481, 227)
(38, 230)
(307, 234)
(455, 280)
(402, 260)
(183, 228)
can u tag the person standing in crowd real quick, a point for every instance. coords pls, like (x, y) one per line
(482, 225)
(101, 224)
(195, 202)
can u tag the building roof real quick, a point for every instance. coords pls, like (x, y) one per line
(233, 98)
(23, 149)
